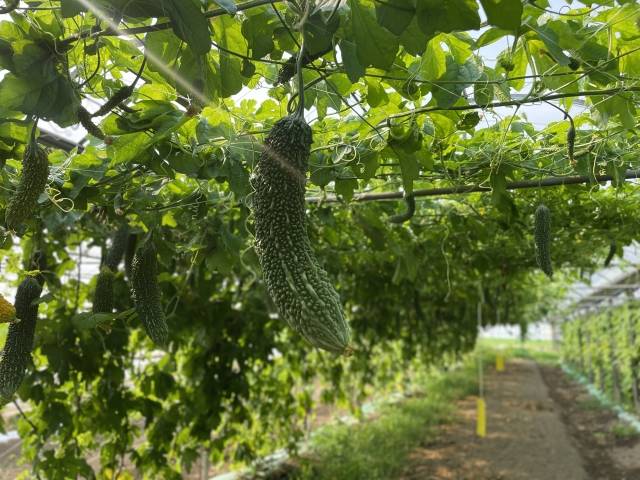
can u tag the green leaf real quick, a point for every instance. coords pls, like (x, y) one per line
(89, 321)
(413, 39)
(396, 15)
(447, 16)
(490, 36)
(228, 34)
(345, 187)
(376, 94)
(483, 92)
(551, 40)
(258, 30)
(71, 8)
(434, 61)
(503, 13)
(189, 24)
(352, 64)
(165, 47)
(448, 94)
(375, 45)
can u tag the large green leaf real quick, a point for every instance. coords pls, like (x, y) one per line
(189, 23)
(396, 15)
(446, 94)
(375, 45)
(503, 13)
(445, 16)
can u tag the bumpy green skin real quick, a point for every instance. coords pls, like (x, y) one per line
(129, 253)
(542, 234)
(146, 294)
(118, 247)
(17, 349)
(295, 281)
(35, 171)
(103, 294)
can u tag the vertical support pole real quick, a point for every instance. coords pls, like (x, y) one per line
(613, 360)
(481, 410)
(634, 360)
(204, 464)
(580, 347)
(589, 359)
(480, 372)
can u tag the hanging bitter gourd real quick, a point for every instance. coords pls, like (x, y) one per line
(35, 172)
(118, 247)
(129, 252)
(103, 294)
(146, 293)
(613, 248)
(103, 297)
(7, 311)
(542, 234)
(19, 343)
(296, 282)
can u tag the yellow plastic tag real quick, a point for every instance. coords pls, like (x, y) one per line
(499, 362)
(481, 425)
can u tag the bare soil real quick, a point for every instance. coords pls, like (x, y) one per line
(540, 426)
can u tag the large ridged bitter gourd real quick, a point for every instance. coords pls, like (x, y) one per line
(146, 293)
(542, 234)
(33, 180)
(296, 282)
(19, 343)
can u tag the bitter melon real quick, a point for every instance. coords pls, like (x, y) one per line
(84, 117)
(103, 294)
(130, 251)
(7, 311)
(571, 141)
(35, 171)
(118, 97)
(118, 247)
(613, 248)
(542, 234)
(146, 293)
(410, 200)
(296, 282)
(19, 343)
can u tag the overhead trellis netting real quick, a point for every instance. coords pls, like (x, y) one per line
(466, 115)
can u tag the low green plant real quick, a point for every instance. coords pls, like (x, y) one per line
(354, 452)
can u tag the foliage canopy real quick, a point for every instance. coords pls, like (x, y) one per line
(177, 96)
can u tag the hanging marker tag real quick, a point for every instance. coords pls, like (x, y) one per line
(499, 362)
(481, 426)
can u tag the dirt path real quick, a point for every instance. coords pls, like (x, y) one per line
(526, 435)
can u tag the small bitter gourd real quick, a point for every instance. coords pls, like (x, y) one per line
(571, 140)
(84, 117)
(103, 294)
(410, 200)
(542, 234)
(613, 248)
(7, 311)
(19, 343)
(296, 282)
(35, 171)
(146, 294)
